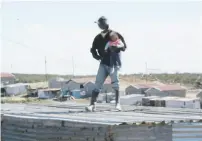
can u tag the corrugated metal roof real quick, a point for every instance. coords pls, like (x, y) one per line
(18, 84)
(199, 94)
(89, 82)
(90, 79)
(131, 86)
(169, 87)
(187, 132)
(147, 85)
(176, 98)
(140, 86)
(105, 113)
(5, 74)
(50, 89)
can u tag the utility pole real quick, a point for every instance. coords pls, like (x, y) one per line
(146, 70)
(11, 68)
(46, 69)
(72, 67)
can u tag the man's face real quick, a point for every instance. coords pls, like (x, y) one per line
(102, 25)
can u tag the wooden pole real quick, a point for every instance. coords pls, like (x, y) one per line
(46, 70)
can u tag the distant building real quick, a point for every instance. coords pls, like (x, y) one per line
(3, 90)
(15, 89)
(167, 90)
(7, 78)
(132, 99)
(138, 88)
(172, 102)
(107, 87)
(57, 82)
(48, 93)
(80, 84)
(199, 95)
(132, 89)
(64, 84)
(89, 87)
(72, 85)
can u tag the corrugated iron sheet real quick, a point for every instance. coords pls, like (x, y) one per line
(187, 132)
(169, 88)
(105, 113)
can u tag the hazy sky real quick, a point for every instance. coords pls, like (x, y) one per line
(166, 35)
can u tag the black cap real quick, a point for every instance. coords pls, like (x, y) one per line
(101, 19)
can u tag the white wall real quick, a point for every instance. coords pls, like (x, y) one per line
(16, 89)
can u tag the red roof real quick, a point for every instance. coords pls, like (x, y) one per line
(169, 87)
(145, 85)
(4, 74)
(107, 81)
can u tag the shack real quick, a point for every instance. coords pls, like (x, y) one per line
(15, 89)
(138, 88)
(88, 88)
(49, 93)
(172, 102)
(167, 90)
(7, 78)
(199, 95)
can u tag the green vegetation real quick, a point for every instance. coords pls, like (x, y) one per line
(183, 78)
(16, 99)
(31, 78)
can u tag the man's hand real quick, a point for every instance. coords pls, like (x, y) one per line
(116, 49)
(122, 39)
(123, 49)
(97, 57)
(95, 54)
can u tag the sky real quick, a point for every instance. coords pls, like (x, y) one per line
(167, 36)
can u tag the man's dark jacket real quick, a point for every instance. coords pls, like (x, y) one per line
(98, 46)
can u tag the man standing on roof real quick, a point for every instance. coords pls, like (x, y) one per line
(99, 53)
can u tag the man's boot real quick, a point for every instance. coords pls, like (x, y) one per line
(118, 106)
(91, 107)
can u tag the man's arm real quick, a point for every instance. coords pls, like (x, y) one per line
(107, 46)
(93, 50)
(122, 39)
(120, 44)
